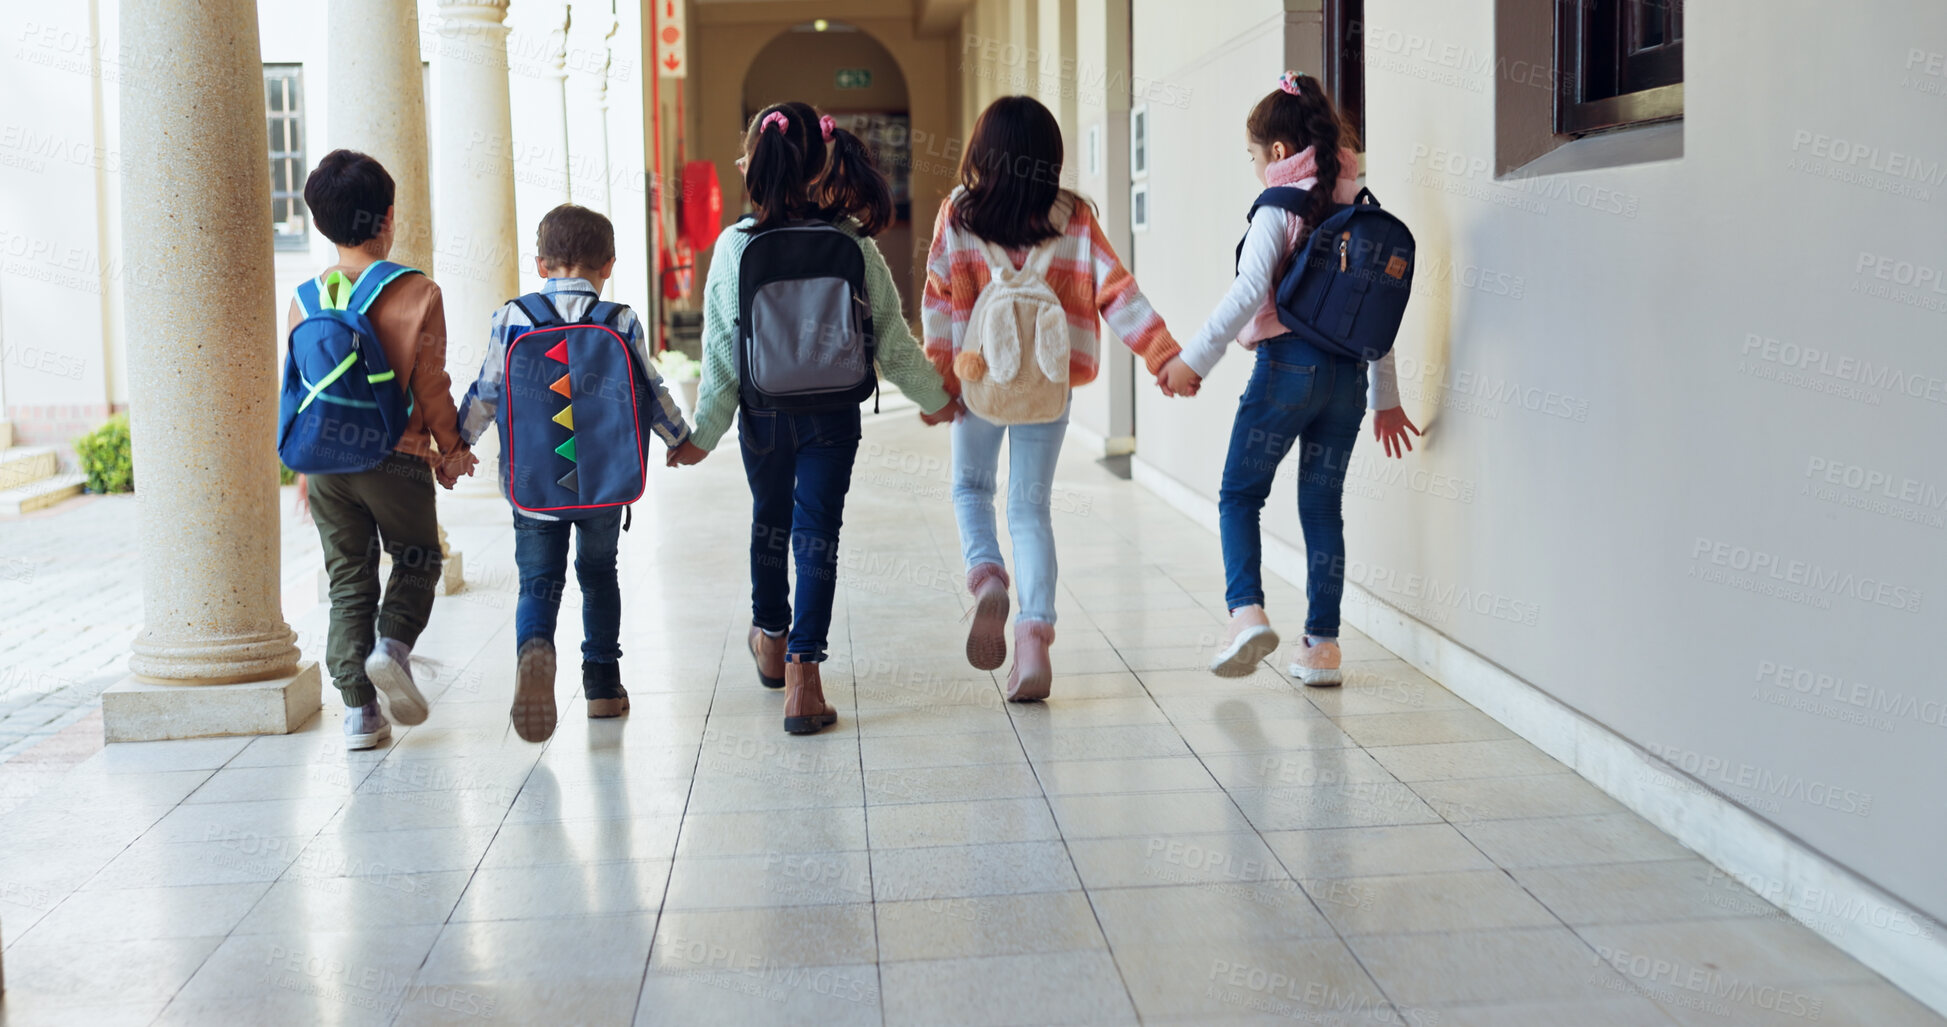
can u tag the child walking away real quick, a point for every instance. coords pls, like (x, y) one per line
(1018, 272)
(1309, 387)
(366, 398)
(569, 380)
(798, 307)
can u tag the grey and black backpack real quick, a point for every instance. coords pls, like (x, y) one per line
(804, 322)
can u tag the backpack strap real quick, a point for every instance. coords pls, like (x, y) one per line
(1288, 198)
(375, 277)
(308, 299)
(605, 313)
(539, 310)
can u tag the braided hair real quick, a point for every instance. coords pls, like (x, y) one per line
(1299, 115)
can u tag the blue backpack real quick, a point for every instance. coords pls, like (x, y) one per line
(574, 433)
(342, 409)
(1345, 291)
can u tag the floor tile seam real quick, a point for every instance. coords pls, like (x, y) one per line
(662, 903)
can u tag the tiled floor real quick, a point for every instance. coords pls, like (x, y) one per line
(1154, 845)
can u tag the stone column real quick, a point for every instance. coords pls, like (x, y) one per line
(589, 27)
(550, 132)
(479, 253)
(376, 103)
(214, 655)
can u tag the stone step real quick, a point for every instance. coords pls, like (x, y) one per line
(6, 433)
(25, 465)
(41, 494)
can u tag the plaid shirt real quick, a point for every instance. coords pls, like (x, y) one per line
(571, 298)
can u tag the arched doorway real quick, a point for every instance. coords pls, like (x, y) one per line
(846, 73)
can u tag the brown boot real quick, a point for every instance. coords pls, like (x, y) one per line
(987, 639)
(533, 711)
(1033, 675)
(805, 710)
(769, 654)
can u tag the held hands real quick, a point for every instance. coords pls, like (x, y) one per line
(945, 415)
(685, 455)
(1390, 427)
(1176, 379)
(454, 466)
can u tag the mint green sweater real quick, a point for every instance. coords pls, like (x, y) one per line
(900, 358)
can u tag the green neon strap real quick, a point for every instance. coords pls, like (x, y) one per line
(383, 376)
(337, 291)
(336, 373)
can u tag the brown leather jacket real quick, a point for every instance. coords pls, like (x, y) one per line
(410, 319)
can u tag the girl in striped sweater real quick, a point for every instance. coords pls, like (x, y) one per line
(1010, 207)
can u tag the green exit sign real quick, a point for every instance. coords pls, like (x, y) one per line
(855, 78)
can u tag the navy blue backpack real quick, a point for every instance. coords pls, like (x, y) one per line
(1345, 291)
(574, 434)
(342, 409)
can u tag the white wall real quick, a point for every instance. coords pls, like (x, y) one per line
(1610, 428)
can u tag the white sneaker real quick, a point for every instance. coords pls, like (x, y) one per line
(1251, 640)
(366, 727)
(1317, 665)
(390, 668)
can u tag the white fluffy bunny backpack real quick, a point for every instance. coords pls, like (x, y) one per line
(1013, 367)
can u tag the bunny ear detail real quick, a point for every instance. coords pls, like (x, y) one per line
(826, 126)
(775, 118)
(1289, 81)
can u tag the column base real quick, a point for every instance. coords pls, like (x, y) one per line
(140, 711)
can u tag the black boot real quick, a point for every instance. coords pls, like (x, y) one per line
(601, 685)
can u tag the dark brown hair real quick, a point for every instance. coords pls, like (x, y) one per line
(1010, 174)
(1307, 118)
(787, 177)
(348, 194)
(573, 236)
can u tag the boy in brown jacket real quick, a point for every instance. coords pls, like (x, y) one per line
(389, 506)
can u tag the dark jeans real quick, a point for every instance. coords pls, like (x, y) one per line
(388, 508)
(1296, 394)
(800, 468)
(541, 553)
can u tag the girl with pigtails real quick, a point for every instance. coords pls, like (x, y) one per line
(798, 309)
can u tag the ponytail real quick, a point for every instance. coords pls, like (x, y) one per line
(854, 184)
(784, 153)
(1300, 115)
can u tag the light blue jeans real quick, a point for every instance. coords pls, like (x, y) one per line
(1031, 453)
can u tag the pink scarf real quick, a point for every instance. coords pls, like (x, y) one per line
(1301, 169)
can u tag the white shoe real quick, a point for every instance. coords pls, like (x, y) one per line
(1317, 665)
(366, 727)
(1251, 640)
(390, 668)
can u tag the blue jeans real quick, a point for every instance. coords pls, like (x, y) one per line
(1031, 453)
(800, 467)
(1296, 394)
(541, 553)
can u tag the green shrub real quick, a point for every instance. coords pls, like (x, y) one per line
(105, 457)
(285, 476)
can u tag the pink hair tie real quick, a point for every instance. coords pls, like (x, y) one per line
(1289, 81)
(826, 125)
(774, 118)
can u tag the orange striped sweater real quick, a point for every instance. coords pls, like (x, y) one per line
(1085, 273)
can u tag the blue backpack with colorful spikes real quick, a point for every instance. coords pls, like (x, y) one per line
(574, 437)
(342, 408)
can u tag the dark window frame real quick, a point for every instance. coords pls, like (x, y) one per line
(284, 124)
(1344, 48)
(1620, 63)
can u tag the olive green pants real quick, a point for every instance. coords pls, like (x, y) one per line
(388, 508)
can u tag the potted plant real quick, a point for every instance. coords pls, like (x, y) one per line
(685, 373)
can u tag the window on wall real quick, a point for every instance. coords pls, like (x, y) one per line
(1621, 63)
(283, 107)
(1344, 73)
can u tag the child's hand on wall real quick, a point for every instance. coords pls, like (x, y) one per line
(1176, 379)
(1390, 427)
(686, 455)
